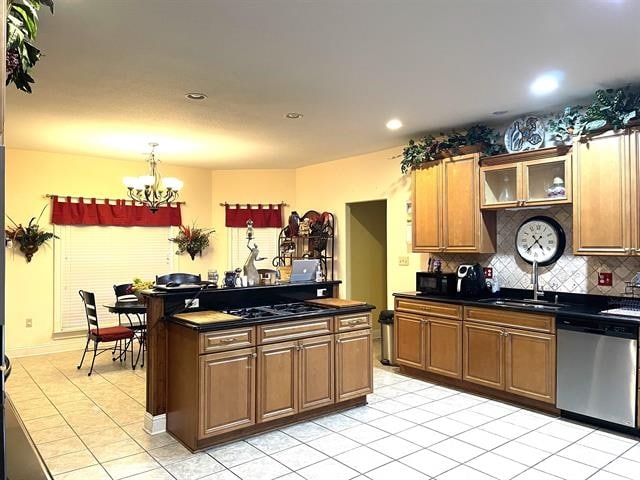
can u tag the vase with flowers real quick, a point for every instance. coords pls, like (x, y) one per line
(29, 238)
(192, 240)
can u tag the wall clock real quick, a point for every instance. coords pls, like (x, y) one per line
(541, 239)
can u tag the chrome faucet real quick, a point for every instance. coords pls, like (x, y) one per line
(537, 290)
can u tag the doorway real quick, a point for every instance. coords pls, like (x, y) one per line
(367, 255)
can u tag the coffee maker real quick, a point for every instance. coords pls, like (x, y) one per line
(470, 280)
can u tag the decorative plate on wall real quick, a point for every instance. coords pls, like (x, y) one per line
(526, 133)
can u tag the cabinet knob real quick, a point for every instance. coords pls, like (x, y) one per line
(254, 355)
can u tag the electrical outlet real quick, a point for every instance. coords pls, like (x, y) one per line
(403, 260)
(28, 323)
(488, 272)
(192, 303)
(321, 292)
(605, 279)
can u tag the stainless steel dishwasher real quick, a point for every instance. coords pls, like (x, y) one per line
(597, 369)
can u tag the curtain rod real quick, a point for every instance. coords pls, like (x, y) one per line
(51, 195)
(230, 204)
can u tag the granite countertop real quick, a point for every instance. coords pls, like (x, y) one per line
(248, 322)
(575, 305)
(206, 290)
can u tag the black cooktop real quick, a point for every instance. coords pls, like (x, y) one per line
(275, 311)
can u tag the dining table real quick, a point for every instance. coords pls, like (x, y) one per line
(135, 312)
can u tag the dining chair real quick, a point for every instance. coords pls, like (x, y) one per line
(123, 294)
(101, 335)
(177, 278)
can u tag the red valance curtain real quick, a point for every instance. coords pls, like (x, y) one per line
(120, 213)
(263, 216)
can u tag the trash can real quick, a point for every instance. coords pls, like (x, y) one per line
(388, 354)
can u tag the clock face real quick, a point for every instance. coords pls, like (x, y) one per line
(540, 239)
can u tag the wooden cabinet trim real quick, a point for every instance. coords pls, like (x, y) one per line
(227, 339)
(508, 318)
(433, 309)
(278, 332)
(354, 321)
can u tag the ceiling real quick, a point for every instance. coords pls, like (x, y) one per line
(116, 71)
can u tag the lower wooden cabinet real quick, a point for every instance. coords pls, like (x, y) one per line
(227, 391)
(483, 355)
(354, 365)
(409, 340)
(531, 364)
(443, 346)
(317, 379)
(518, 361)
(277, 385)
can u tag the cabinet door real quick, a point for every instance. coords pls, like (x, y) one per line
(461, 212)
(354, 364)
(634, 151)
(500, 186)
(227, 391)
(483, 355)
(443, 347)
(531, 364)
(409, 340)
(538, 181)
(277, 385)
(316, 372)
(427, 208)
(601, 198)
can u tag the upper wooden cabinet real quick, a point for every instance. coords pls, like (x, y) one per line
(446, 212)
(605, 210)
(525, 179)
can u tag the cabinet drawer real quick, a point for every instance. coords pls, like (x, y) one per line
(356, 321)
(277, 332)
(432, 309)
(227, 339)
(510, 318)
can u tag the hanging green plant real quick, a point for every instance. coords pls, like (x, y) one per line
(192, 240)
(22, 29)
(29, 238)
(612, 108)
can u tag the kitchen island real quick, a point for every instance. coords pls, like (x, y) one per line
(253, 359)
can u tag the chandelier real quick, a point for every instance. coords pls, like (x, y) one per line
(152, 190)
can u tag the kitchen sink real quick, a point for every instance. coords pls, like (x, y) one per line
(526, 303)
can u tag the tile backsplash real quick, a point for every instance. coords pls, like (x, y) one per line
(575, 274)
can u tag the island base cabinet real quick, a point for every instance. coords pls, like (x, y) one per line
(227, 391)
(277, 385)
(531, 364)
(443, 342)
(409, 340)
(317, 380)
(354, 365)
(484, 355)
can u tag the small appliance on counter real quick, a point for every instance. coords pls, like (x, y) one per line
(436, 283)
(470, 280)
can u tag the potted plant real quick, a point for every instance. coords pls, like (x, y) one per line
(22, 29)
(31, 237)
(139, 285)
(563, 126)
(192, 240)
(612, 109)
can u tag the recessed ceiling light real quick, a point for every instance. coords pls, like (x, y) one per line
(294, 115)
(196, 96)
(394, 124)
(546, 83)
(500, 112)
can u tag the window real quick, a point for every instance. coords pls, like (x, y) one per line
(95, 258)
(265, 238)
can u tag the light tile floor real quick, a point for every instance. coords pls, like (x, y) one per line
(90, 428)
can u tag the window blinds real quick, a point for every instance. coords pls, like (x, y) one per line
(265, 238)
(95, 258)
